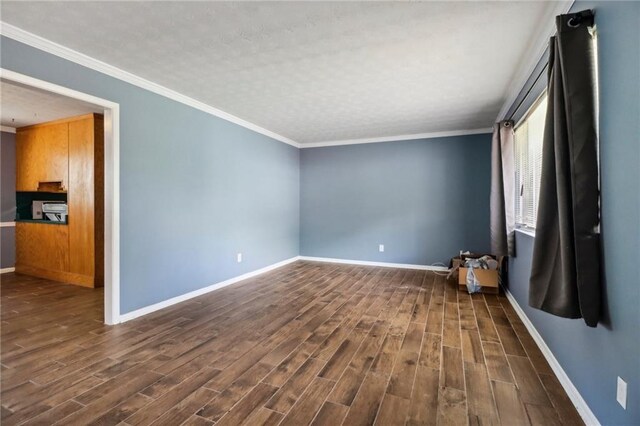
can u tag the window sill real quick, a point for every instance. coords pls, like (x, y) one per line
(527, 231)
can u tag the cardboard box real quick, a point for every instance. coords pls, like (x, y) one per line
(489, 278)
(454, 266)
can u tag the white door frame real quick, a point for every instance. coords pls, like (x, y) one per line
(111, 185)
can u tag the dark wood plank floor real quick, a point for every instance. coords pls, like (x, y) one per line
(309, 343)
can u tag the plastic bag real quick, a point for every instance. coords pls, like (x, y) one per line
(473, 285)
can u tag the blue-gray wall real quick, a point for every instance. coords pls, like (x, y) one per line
(194, 189)
(7, 198)
(423, 199)
(593, 358)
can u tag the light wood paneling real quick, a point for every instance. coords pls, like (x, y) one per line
(81, 197)
(72, 151)
(42, 155)
(42, 246)
(275, 349)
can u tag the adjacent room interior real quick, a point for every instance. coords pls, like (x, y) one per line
(320, 213)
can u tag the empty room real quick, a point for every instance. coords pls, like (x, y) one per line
(320, 213)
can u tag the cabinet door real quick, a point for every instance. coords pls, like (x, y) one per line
(42, 155)
(42, 246)
(81, 198)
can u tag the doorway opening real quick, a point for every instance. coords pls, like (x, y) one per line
(67, 193)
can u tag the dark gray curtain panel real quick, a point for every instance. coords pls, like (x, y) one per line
(565, 276)
(502, 202)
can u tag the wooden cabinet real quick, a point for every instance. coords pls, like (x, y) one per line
(68, 151)
(42, 250)
(43, 155)
(86, 198)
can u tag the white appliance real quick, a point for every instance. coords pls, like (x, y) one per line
(55, 211)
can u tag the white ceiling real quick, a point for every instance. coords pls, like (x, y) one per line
(23, 106)
(312, 71)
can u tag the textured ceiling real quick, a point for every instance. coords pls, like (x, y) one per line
(22, 106)
(310, 71)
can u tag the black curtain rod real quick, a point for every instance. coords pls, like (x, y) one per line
(526, 95)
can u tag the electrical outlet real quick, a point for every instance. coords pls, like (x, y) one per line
(621, 393)
(239, 257)
(381, 248)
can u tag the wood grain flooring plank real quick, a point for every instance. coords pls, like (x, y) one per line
(219, 405)
(390, 344)
(496, 361)
(152, 411)
(330, 414)
(510, 341)
(289, 393)
(509, 405)
(264, 417)
(184, 409)
(542, 415)
(310, 402)
(452, 371)
(194, 420)
(564, 406)
(244, 409)
(123, 410)
(452, 407)
(55, 414)
(393, 411)
(480, 404)
(402, 376)
(349, 383)
(430, 352)
(342, 357)
(364, 408)
(471, 346)
(487, 330)
(112, 398)
(528, 382)
(423, 406)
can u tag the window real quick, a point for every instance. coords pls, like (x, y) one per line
(528, 162)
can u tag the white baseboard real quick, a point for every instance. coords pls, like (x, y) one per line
(6, 270)
(174, 300)
(581, 405)
(383, 264)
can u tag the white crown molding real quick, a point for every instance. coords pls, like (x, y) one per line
(397, 138)
(7, 224)
(7, 129)
(382, 264)
(56, 49)
(538, 46)
(183, 297)
(6, 270)
(581, 405)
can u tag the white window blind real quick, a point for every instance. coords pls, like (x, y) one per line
(528, 161)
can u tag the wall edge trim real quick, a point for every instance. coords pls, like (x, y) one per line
(415, 136)
(581, 405)
(7, 224)
(74, 56)
(7, 270)
(7, 129)
(369, 263)
(201, 291)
